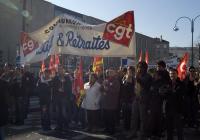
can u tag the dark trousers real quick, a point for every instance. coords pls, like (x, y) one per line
(174, 120)
(63, 112)
(109, 120)
(140, 119)
(78, 114)
(19, 110)
(2, 133)
(156, 117)
(45, 117)
(93, 118)
(127, 108)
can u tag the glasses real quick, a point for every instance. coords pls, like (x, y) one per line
(192, 70)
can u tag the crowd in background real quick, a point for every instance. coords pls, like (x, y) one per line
(149, 103)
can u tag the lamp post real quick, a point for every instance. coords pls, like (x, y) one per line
(192, 20)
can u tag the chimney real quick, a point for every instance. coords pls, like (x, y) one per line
(161, 38)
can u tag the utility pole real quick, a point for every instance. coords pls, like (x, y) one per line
(23, 17)
(199, 53)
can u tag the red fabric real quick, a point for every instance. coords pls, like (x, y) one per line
(147, 57)
(27, 43)
(140, 57)
(51, 63)
(42, 66)
(182, 67)
(57, 62)
(125, 23)
(98, 64)
(78, 85)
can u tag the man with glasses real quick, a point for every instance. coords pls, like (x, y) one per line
(174, 108)
(190, 99)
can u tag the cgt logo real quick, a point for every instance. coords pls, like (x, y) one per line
(28, 45)
(121, 29)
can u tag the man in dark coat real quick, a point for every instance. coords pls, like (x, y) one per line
(63, 95)
(110, 100)
(3, 108)
(174, 106)
(141, 101)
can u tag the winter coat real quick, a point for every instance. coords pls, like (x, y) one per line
(92, 97)
(174, 99)
(3, 104)
(110, 99)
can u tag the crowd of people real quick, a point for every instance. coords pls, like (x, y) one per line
(149, 103)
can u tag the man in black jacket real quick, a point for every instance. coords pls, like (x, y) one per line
(141, 100)
(174, 106)
(63, 93)
(3, 108)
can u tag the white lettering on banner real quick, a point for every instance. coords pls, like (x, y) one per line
(28, 46)
(119, 31)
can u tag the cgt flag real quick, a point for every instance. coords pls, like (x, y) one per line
(98, 64)
(182, 67)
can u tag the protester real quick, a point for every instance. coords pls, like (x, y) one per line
(158, 91)
(45, 99)
(27, 89)
(174, 106)
(63, 92)
(110, 100)
(91, 101)
(18, 96)
(3, 108)
(127, 97)
(141, 101)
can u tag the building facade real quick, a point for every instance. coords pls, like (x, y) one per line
(180, 51)
(30, 15)
(157, 48)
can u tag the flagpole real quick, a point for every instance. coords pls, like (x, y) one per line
(103, 71)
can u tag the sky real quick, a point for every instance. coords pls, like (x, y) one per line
(152, 17)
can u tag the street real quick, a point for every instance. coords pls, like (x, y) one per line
(31, 130)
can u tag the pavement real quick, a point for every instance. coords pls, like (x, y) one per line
(31, 130)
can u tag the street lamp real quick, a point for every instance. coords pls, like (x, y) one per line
(192, 20)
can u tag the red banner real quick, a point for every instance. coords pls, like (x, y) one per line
(121, 29)
(28, 44)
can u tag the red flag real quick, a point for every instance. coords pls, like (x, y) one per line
(182, 68)
(57, 62)
(27, 43)
(123, 24)
(51, 63)
(42, 69)
(140, 57)
(78, 85)
(98, 64)
(147, 57)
